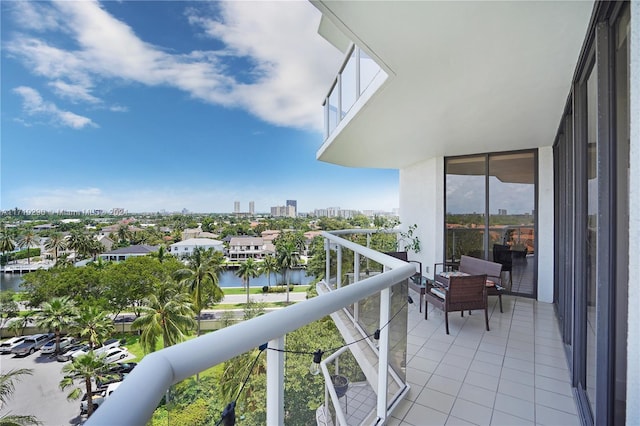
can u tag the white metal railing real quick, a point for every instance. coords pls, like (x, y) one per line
(139, 395)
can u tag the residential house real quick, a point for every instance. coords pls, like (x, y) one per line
(186, 247)
(124, 253)
(243, 248)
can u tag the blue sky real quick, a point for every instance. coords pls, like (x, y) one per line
(150, 105)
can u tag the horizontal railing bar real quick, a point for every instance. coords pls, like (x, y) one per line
(140, 393)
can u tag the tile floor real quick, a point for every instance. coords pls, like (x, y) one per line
(515, 374)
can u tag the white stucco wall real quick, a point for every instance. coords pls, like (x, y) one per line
(545, 252)
(633, 341)
(421, 195)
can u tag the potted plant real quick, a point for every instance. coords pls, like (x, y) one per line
(340, 384)
(409, 241)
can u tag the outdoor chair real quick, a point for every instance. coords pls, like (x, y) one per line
(502, 255)
(463, 293)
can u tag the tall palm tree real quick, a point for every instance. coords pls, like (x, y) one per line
(7, 387)
(268, 266)
(6, 241)
(288, 258)
(201, 276)
(86, 367)
(56, 315)
(247, 270)
(168, 313)
(56, 242)
(93, 324)
(29, 239)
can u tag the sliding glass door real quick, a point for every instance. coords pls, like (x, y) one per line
(491, 213)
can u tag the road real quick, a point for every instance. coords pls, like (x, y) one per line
(39, 394)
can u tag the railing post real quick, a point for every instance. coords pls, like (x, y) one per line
(275, 382)
(339, 267)
(327, 266)
(383, 354)
(356, 278)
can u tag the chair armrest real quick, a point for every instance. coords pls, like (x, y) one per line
(446, 266)
(419, 264)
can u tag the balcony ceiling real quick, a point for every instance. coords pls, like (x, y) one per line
(464, 77)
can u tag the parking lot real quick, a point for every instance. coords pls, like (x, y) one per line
(39, 394)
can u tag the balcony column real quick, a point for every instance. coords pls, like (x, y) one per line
(383, 354)
(275, 382)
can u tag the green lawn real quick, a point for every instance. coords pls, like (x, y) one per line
(258, 290)
(133, 346)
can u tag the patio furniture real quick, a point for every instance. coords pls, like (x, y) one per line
(417, 281)
(473, 266)
(462, 292)
(502, 254)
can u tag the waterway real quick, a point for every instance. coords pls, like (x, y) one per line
(227, 279)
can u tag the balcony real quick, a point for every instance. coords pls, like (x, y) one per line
(514, 374)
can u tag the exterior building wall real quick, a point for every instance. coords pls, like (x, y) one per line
(633, 324)
(545, 250)
(421, 185)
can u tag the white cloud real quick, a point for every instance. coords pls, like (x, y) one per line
(73, 92)
(292, 66)
(34, 105)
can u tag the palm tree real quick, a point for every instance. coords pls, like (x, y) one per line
(93, 324)
(247, 270)
(56, 315)
(7, 387)
(6, 241)
(86, 366)
(201, 275)
(168, 313)
(94, 247)
(79, 242)
(124, 234)
(29, 239)
(268, 266)
(288, 257)
(56, 242)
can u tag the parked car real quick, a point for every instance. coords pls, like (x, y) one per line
(115, 354)
(31, 344)
(66, 352)
(108, 344)
(9, 344)
(50, 346)
(98, 397)
(116, 373)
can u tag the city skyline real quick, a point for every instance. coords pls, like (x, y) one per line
(103, 107)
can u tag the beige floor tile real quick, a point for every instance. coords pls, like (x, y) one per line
(471, 412)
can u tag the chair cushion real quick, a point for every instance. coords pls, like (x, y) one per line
(438, 292)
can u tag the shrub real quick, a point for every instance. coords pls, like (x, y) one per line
(265, 289)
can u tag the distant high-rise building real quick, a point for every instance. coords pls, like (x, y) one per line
(502, 212)
(294, 204)
(252, 208)
(236, 206)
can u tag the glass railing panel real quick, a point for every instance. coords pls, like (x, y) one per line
(333, 116)
(368, 70)
(349, 84)
(398, 329)
(304, 393)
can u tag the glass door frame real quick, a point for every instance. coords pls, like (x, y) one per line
(485, 242)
